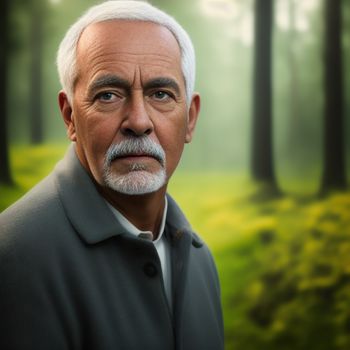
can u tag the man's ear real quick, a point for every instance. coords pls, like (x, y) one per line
(193, 114)
(67, 115)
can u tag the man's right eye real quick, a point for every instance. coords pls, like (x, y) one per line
(106, 96)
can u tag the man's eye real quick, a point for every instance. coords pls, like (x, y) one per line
(161, 95)
(106, 96)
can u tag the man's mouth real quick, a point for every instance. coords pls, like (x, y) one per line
(137, 156)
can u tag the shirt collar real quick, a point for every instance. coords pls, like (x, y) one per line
(132, 229)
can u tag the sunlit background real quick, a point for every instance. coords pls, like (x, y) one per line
(283, 256)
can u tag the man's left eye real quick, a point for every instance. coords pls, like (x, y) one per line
(161, 95)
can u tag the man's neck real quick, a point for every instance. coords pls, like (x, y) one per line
(143, 211)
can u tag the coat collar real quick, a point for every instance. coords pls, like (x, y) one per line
(85, 208)
(88, 212)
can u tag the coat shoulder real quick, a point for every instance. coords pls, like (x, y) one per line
(32, 216)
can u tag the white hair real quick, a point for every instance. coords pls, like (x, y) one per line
(122, 10)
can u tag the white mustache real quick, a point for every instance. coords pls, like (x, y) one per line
(135, 146)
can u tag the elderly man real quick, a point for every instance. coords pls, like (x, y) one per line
(98, 256)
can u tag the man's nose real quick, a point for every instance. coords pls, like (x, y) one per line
(137, 121)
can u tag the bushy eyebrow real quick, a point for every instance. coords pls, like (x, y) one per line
(111, 80)
(159, 83)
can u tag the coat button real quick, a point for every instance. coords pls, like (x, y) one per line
(150, 269)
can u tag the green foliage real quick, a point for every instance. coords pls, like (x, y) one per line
(297, 292)
(284, 264)
(30, 164)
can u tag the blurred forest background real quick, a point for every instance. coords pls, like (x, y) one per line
(272, 151)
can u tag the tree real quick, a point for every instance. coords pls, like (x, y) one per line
(36, 114)
(294, 112)
(262, 166)
(5, 174)
(334, 174)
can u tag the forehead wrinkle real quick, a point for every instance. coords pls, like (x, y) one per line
(96, 64)
(150, 43)
(96, 50)
(132, 58)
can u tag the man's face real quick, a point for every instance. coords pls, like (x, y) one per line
(129, 87)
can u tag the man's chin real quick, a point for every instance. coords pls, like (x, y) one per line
(136, 182)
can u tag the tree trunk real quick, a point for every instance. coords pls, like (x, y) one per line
(294, 117)
(5, 173)
(262, 165)
(36, 117)
(334, 173)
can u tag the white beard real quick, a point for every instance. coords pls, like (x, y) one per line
(135, 182)
(138, 180)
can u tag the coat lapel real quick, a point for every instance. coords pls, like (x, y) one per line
(181, 238)
(85, 208)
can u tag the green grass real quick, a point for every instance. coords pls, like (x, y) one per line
(29, 164)
(284, 263)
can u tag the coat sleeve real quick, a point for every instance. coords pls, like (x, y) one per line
(27, 320)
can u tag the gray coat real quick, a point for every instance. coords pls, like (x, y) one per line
(71, 279)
